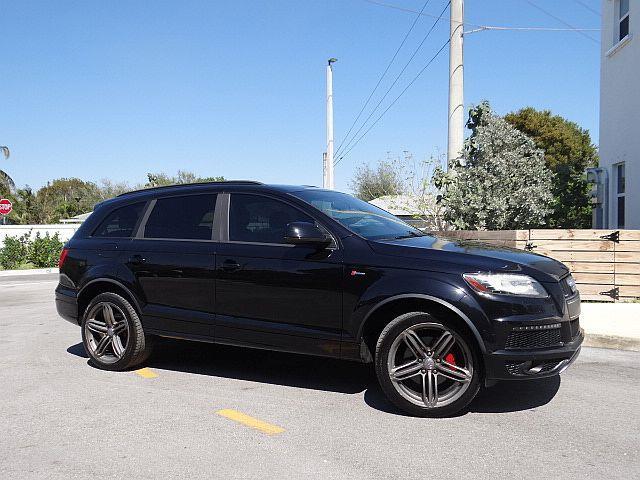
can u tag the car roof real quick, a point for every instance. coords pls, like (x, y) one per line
(248, 185)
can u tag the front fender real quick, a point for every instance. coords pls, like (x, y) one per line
(392, 286)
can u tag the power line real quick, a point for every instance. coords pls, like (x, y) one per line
(488, 27)
(591, 9)
(383, 74)
(415, 52)
(548, 13)
(395, 100)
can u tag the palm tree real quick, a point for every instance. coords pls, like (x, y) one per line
(5, 179)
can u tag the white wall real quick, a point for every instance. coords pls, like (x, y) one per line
(64, 231)
(620, 109)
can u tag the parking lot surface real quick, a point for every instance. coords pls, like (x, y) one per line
(207, 411)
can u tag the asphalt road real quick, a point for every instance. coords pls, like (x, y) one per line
(61, 418)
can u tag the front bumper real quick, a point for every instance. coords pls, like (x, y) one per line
(535, 363)
(67, 304)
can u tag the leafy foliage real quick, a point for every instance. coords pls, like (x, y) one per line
(385, 179)
(403, 184)
(6, 182)
(67, 197)
(161, 179)
(15, 252)
(41, 252)
(44, 252)
(568, 153)
(501, 181)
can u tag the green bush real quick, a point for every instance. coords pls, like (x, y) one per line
(41, 252)
(45, 251)
(15, 252)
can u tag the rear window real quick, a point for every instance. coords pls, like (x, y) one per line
(189, 217)
(121, 222)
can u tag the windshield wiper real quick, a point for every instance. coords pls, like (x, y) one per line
(408, 235)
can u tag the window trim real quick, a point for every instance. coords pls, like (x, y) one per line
(617, 5)
(224, 238)
(151, 205)
(619, 45)
(622, 18)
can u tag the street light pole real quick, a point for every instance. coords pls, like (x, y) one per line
(328, 181)
(456, 83)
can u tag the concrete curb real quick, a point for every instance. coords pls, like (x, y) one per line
(23, 273)
(611, 341)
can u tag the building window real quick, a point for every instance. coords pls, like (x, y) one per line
(623, 19)
(620, 194)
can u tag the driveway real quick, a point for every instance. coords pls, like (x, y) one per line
(206, 411)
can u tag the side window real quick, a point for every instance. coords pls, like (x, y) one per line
(253, 218)
(189, 217)
(121, 222)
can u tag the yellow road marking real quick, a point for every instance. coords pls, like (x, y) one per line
(146, 373)
(240, 417)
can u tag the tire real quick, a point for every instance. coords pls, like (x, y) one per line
(114, 341)
(437, 375)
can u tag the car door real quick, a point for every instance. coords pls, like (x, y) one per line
(272, 294)
(172, 262)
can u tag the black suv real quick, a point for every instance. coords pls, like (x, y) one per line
(319, 272)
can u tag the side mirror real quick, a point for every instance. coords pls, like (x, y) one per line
(305, 233)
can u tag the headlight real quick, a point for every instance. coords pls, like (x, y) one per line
(505, 284)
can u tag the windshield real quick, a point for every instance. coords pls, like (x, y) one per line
(358, 216)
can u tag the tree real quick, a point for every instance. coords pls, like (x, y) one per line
(183, 176)
(501, 182)
(65, 198)
(24, 206)
(109, 189)
(420, 193)
(6, 182)
(568, 153)
(385, 179)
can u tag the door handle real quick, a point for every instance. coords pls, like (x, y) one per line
(137, 259)
(230, 265)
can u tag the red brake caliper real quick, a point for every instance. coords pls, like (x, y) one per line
(449, 358)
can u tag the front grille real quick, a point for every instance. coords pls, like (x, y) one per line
(518, 340)
(575, 327)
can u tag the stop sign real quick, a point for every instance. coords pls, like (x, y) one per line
(5, 207)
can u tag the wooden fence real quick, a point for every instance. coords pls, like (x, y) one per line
(605, 263)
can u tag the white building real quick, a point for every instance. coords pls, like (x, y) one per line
(619, 173)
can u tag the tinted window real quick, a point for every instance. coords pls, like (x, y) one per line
(121, 222)
(253, 218)
(360, 217)
(189, 217)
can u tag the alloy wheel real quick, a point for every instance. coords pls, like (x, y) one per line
(106, 332)
(430, 365)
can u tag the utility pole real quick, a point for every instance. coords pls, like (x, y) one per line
(324, 170)
(327, 180)
(456, 83)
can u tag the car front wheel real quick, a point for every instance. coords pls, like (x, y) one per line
(427, 367)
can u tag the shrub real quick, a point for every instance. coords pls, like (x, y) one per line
(15, 252)
(45, 251)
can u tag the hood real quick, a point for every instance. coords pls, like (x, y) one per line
(451, 255)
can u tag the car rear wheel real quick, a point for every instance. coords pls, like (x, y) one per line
(112, 333)
(427, 367)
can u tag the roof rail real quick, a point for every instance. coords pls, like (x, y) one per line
(176, 185)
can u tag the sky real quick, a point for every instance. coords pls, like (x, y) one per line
(115, 89)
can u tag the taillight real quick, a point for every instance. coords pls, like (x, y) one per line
(63, 257)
